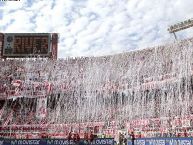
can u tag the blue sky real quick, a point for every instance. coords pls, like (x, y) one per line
(98, 27)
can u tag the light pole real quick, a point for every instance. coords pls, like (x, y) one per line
(180, 26)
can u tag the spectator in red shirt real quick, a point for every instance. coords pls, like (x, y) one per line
(91, 137)
(76, 138)
(185, 133)
(86, 138)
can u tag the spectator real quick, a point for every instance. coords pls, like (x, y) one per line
(132, 137)
(121, 138)
(76, 138)
(91, 138)
(69, 136)
(86, 137)
(185, 133)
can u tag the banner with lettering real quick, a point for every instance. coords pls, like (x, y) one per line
(101, 141)
(162, 141)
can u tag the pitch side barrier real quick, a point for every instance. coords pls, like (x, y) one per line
(163, 141)
(100, 141)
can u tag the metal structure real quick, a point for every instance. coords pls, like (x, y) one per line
(1, 44)
(54, 47)
(180, 26)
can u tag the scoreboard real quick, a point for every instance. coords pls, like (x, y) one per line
(26, 44)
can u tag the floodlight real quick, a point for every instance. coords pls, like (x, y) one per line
(180, 26)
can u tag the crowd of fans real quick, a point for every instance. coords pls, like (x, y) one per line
(147, 84)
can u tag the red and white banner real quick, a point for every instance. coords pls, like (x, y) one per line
(41, 109)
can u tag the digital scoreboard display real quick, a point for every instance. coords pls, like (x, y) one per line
(26, 44)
